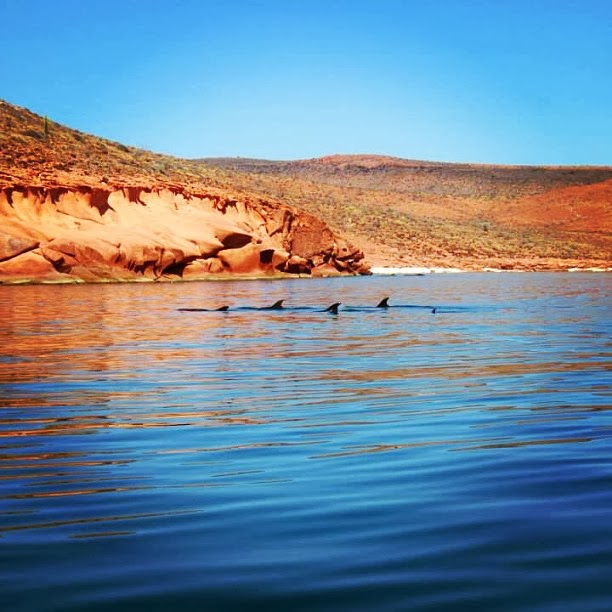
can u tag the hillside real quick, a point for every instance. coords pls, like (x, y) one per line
(77, 207)
(405, 212)
(74, 207)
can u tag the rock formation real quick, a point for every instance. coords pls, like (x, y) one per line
(90, 234)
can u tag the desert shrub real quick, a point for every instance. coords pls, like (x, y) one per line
(159, 167)
(34, 134)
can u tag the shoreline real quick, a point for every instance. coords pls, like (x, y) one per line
(375, 271)
(423, 271)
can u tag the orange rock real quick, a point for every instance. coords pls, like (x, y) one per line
(202, 268)
(325, 270)
(130, 233)
(11, 246)
(28, 266)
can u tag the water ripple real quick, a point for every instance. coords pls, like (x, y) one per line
(377, 459)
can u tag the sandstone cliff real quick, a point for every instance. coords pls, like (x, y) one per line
(142, 233)
(74, 207)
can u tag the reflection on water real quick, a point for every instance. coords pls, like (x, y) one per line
(377, 459)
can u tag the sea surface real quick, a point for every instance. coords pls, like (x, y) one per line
(377, 459)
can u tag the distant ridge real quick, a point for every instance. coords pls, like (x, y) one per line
(367, 160)
(413, 213)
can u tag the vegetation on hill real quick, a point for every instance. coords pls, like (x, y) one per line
(36, 151)
(411, 212)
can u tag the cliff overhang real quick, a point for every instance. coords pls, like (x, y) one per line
(131, 233)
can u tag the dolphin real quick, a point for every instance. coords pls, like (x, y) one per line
(333, 308)
(220, 309)
(278, 305)
(384, 303)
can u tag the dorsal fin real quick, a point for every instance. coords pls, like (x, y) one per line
(384, 303)
(333, 308)
(433, 310)
(277, 305)
(222, 308)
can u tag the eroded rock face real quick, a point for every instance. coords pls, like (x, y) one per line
(90, 234)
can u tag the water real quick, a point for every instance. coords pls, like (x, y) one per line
(152, 459)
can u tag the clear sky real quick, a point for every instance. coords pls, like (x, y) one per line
(496, 81)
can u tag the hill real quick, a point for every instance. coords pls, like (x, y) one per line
(77, 207)
(405, 212)
(74, 207)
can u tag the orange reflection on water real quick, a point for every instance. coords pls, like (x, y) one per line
(48, 330)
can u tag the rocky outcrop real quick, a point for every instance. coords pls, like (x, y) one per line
(67, 234)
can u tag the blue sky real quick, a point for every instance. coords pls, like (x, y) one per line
(494, 81)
